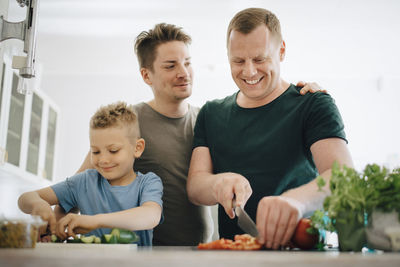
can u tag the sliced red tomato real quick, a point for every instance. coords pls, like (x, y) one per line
(241, 242)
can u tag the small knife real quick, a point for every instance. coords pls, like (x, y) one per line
(244, 221)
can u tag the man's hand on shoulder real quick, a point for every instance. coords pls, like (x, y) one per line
(311, 87)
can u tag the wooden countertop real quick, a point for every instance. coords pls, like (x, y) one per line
(90, 255)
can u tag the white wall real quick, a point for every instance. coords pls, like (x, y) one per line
(349, 47)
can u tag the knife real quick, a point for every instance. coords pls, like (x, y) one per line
(244, 221)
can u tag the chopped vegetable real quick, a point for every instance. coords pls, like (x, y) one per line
(55, 239)
(117, 236)
(241, 242)
(88, 239)
(124, 236)
(74, 240)
(109, 239)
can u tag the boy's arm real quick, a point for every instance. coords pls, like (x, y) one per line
(39, 203)
(144, 217)
(85, 165)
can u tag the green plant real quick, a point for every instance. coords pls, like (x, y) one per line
(355, 195)
(348, 193)
(320, 221)
(383, 189)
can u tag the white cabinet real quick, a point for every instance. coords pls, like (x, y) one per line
(28, 125)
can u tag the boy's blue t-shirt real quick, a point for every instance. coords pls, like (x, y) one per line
(92, 194)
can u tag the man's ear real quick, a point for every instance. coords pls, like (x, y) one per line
(282, 51)
(146, 75)
(139, 148)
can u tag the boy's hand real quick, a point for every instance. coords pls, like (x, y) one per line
(75, 224)
(43, 209)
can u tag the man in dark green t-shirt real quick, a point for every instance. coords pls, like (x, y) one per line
(265, 144)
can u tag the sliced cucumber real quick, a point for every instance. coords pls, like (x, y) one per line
(97, 240)
(116, 232)
(113, 240)
(127, 237)
(109, 239)
(105, 238)
(74, 240)
(88, 239)
(55, 239)
(124, 236)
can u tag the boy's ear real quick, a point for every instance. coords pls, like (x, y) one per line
(139, 148)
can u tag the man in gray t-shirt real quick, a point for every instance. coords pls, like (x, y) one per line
(166, 123)
(168, 151)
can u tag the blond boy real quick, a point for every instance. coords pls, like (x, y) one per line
(112, 195)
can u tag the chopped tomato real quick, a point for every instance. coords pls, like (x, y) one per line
(241, 242)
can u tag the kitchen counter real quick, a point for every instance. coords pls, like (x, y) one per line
(99, 256)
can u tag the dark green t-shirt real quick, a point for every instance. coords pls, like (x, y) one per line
(269, 145)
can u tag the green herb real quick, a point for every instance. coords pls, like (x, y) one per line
(383, 189)
(348, 193)
(357, 194)
(319, 220)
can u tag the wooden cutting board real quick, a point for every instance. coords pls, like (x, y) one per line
(46, 246)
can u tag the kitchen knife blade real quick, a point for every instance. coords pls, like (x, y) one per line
(245, 222)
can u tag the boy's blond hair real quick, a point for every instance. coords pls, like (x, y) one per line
(118, 114)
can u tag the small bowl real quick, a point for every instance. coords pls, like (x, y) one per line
(19, 233)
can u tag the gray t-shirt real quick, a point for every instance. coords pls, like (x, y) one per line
(167, 153)
(93, 194)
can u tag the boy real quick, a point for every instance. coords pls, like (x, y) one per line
(112, 195)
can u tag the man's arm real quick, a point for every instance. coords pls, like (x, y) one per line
(87, 164)
(277, 216)
(325, 152)
(144, 217)
(206, 188)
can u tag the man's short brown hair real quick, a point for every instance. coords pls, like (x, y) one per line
(248, 19)
(118, 114)
(147, 42)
